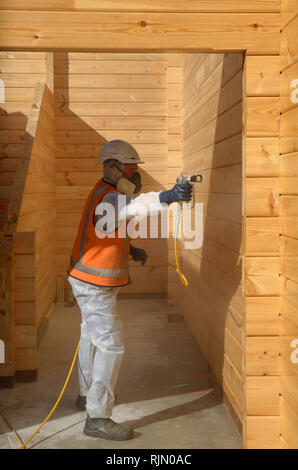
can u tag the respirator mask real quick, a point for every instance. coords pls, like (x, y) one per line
(130, 182)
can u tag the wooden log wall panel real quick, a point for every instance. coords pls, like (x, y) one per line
(262, 348)
(211, 143)
(288, 225)
(100, 97)
(147, 5)
(51, 30)
(263, 432)
(35, 273)
(7, 291)
(19, 72)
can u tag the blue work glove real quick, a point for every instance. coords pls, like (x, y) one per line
(179, 192)
(138, 254)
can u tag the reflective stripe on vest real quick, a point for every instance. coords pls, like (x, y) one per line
(102, 272)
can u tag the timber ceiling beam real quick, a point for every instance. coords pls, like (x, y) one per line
(257, 33)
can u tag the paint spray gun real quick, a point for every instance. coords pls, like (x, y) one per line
(183, 179)
(190, 179)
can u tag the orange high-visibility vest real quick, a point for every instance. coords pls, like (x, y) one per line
(99, 261)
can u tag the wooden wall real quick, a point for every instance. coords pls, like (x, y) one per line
(211, 144)
(35, 270)
(100, 97)
(289, 226)
(19, 71)
(261, 239)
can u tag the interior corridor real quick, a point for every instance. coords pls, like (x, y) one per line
(164, 389)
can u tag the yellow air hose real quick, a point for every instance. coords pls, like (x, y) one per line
(185, 284)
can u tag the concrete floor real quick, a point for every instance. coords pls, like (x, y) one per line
(164, 388)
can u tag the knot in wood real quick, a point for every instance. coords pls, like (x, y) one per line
(143, 24)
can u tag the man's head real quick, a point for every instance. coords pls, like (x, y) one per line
(120, 161)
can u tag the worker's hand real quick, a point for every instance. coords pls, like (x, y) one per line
(179, 192)
(138, 254)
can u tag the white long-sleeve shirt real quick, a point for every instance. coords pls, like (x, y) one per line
(125, 208)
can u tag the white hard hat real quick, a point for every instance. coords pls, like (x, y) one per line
(119, 150)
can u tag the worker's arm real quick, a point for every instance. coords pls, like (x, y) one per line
(121, 207)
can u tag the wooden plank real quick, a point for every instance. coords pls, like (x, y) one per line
(109, 67)
(26, 359)
(289, 131)
(262, 355)
(113, 109)
(19, 94)
(21, 80)
(262, 116)
(223, 127)
(15, 107)
(16, 197)
(288, 88)
(288, 10)
(262, 432)
(101, 136)
(257, 32)
(288, 424)
(24, 266)
(289, 226)
(22, 55)
(147, 5)
(262, 75)
(24, 243)
(262, 197)
(262, 236)
(25, 313)
(22, 66)
(289, 257)
(111, 122)
(25, 336)
(262, 316)
(111, 81)
(91, 151)
(289, 44)
(109, 95)
(262, 396)
(24, 290)
(222, 101)
(289, 290)
(7, 293)
(214, 74)
(262, 276)
(100, 56)
(262, 156)
(289, 173)
(210, 71)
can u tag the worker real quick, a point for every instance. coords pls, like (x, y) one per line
(97, 270)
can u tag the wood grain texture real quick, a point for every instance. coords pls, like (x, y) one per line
(262, 396)
(263, 432)
(258, 32)
(141, 5)
(262, 75)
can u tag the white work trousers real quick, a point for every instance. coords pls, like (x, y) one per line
(101, 346)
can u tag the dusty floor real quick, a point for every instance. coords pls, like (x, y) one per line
(164, 389)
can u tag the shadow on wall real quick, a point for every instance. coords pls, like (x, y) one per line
(215, 310)
(77, 148)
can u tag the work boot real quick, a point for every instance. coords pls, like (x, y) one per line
(106, 428)
(81, 402)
